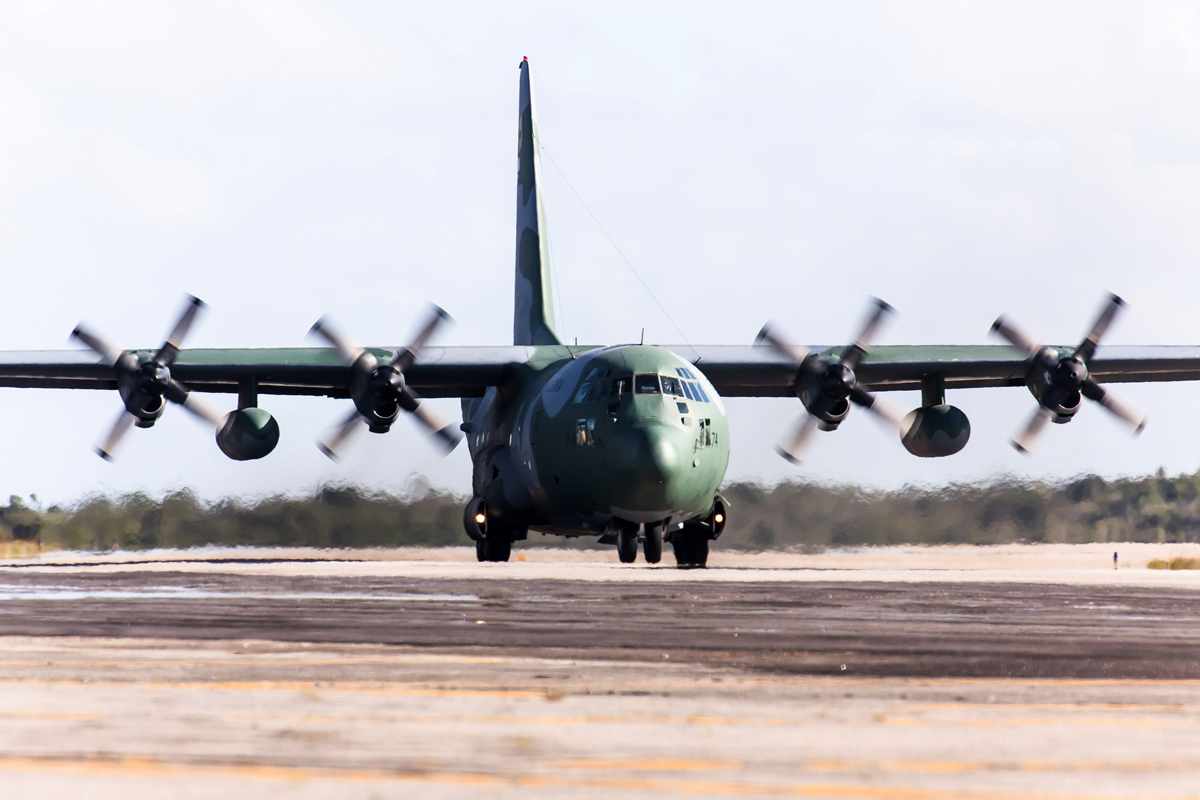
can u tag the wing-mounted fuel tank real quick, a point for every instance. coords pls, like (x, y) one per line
(248, 434)
(936, 429)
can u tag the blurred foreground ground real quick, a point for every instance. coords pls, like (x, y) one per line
(944, 672)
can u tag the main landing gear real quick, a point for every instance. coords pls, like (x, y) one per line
(493, 548)
(690, 540)
(493, 540)
(690, 544)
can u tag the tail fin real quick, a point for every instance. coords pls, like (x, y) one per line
(533, 314)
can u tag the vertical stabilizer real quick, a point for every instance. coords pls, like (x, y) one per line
(533, 314)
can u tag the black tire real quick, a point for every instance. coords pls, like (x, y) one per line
(480, 550)
(691, 547)
(652, 546)
(699, 546)
(627, 545)
(683, 552)
(499, 548)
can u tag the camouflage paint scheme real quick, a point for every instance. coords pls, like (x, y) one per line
(559, 450)
(550, 455)
(533, 318)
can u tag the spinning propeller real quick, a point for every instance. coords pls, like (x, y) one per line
(1057, 382)
(827, 384)
(144, 380)
(379, 390)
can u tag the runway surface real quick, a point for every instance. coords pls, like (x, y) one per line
(303, 677)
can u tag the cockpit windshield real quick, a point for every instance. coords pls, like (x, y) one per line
(646, 384)
(671, 386)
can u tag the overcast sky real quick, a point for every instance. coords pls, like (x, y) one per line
(284, 160)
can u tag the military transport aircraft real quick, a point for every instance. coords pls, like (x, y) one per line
(627, 442)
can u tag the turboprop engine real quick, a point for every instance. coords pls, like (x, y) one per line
(826, 383)
(379, 390)
(1060, 380)
(144, 380)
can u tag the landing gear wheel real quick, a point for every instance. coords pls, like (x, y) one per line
(493, 548)
(691, 547)
(652, 546)
(683, 550)
(627, 544)
(700, 550)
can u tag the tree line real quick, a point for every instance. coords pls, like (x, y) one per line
(794, 515)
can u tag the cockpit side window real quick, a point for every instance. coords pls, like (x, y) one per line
(671, 386)
(591, 388)
(646, 384)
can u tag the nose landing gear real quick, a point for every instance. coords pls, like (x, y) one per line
(627, 542)
(652, 543)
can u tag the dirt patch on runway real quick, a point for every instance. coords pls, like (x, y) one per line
(877, 629)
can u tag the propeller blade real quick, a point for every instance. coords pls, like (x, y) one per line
(769, 337)
(1007, 331)
(408, 355)
(96, 343)
(332, 444)
(121, 427)
(1096, 392)
(326, 330)
(446, 436)
(870, 329)
(882, 411)
(1087, 348)
(177, 393)
(1024, 440)
(170, 348)
(800, 436)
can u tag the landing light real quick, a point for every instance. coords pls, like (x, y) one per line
(480, 518)
(718, 518)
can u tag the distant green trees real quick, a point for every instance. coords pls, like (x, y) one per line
(334, 516)
(1084, 509)
(1156, 508)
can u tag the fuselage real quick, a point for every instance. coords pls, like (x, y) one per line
(630, 433)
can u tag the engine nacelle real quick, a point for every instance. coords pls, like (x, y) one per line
(935, 431)
(248, 434)
(1055, 384)
(145, 406)
(829, 409)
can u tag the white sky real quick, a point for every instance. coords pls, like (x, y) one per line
(755, 162)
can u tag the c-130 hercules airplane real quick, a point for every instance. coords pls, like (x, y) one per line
(628, 443)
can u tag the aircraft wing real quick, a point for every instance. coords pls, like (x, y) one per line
(440, 371)
(759, 371)
(735, 370)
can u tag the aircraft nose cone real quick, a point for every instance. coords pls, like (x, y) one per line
(646, 467)
(658, 457)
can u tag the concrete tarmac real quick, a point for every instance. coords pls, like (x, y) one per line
(283, 674)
